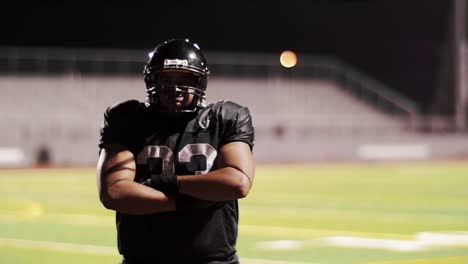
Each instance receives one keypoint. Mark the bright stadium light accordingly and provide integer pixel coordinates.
(288, 59)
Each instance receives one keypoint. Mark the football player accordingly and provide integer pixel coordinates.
(174, 167)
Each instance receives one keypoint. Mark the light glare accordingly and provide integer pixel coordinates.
(288, 59)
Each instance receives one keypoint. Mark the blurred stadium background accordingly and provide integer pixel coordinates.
(361, 154)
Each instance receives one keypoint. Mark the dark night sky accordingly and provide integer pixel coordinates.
(398, 42)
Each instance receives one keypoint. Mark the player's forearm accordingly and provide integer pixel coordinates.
(221, 185)
(134, 198)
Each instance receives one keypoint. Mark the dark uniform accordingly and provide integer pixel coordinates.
(187, 144)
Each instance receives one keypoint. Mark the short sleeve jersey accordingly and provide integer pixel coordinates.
(186, 144)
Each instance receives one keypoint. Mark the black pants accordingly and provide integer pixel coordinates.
(233, 260)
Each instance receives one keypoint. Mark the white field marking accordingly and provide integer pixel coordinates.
(268, 261)
(280, 245)
(388, 244)
(433, 260)
(341, 241)
(103, 250)
(443, 239)
(109, 221)
(422, 241)
(306, 233)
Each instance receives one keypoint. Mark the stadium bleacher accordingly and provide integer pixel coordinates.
(305, 119)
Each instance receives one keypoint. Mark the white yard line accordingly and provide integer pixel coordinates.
(267, 261)
(103, 250)
(281, 245)
(375, 243)
(422, 241)
(444, 239)
(306, 233)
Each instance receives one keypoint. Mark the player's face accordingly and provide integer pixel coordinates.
(172, 97)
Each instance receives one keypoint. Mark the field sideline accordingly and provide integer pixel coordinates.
(398, 213)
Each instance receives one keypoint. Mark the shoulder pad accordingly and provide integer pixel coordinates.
(226, 109)
(235, 123)
(124, 108)
(220, 111)
(120, 121)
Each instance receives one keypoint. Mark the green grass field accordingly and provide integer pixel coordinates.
(338, 213)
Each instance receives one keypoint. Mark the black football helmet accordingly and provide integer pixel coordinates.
(180, 55)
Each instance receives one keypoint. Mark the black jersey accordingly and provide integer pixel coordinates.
(186, 144)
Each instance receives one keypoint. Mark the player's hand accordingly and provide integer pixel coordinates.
(163, 183)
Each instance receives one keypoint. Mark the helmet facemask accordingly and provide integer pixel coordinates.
(171, 90)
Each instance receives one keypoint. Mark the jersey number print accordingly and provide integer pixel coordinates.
(165, 158)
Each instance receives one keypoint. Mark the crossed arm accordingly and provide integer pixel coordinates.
(118, 191)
